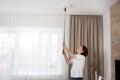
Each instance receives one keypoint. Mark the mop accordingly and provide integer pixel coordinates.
(65, 7)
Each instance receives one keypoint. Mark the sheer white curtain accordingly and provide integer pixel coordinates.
(32, 54)
(7, 46)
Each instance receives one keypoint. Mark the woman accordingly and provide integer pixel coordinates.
(77, 61)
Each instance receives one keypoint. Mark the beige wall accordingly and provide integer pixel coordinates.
(115, 35)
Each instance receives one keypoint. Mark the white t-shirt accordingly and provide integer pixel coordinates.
(77, 66)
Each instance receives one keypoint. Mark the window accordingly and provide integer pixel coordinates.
(31, 47)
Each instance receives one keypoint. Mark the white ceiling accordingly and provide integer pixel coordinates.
(84, 7)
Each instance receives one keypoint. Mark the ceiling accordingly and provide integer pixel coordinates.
(84, 7)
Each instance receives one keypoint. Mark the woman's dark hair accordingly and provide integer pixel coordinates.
(85, 51)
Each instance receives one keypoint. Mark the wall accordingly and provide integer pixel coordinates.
(31, 20)
(115, 35)
(107, 45)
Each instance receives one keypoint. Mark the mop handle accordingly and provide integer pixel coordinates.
(64, 28)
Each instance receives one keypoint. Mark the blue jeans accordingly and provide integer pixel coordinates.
(79, 78)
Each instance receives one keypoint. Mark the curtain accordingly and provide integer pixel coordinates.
(31, 54)
(88, 31)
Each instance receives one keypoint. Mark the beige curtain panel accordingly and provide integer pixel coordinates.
(88, 31)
